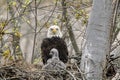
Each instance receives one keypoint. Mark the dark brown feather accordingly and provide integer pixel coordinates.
(54, 42)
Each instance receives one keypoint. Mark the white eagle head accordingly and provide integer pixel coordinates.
(54, 31)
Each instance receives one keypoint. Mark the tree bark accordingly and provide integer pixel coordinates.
(97, 45)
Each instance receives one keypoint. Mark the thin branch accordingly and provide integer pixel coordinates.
(48, 18)
(114, 58)
(82, 73)
(35, 34)
(114, 20)
(115, 46)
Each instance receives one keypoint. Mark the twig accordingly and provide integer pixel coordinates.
(35, 35)
(112, 59)
(117, 76)
(48, 18)
(82, 73)
(71, 74)
(114, 19)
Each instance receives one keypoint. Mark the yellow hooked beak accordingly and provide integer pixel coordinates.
(54, 31)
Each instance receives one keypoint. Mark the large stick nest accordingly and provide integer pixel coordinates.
(23, 71)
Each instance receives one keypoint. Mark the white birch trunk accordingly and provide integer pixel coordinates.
(97, 40)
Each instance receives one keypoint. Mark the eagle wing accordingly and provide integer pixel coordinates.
(54, 42)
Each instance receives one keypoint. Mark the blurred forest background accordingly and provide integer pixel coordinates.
(24, 24)
(22, 27)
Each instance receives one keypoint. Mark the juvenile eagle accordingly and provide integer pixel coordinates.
(54, 40)
(54, 63)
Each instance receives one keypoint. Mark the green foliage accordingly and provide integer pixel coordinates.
(2, 31)
(37, 60)
(55, 22)
(26, 3)
(13, 3)
(78, 9)
(7, 55)
(17, 33)
(82, 15)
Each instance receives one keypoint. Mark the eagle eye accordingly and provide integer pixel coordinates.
(51, 29)
(52, 51)
(56, 28)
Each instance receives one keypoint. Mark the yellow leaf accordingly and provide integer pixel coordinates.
(24, 6)
(6, 46)
(77, 16)
(11, 58)
(18, 34)
(6, 31)
(17, 47)
(2, 25)
(28, 21)
(14, 3)
(27, 2)
(36, 61)
(6, 53)
(55, 22)
(47, 25)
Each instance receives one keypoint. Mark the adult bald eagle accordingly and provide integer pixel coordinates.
(54, 40)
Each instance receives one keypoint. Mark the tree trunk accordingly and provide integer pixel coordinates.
(97, 45)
